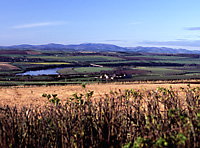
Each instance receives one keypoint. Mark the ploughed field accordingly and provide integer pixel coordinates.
(7, 66)
(24, 96)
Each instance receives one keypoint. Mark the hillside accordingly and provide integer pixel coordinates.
(99, 48)
(162, 50)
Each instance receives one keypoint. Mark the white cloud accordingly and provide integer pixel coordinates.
(33, 25)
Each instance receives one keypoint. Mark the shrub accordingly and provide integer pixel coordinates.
(133, 118)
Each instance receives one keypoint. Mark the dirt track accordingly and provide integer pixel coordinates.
(21, 96)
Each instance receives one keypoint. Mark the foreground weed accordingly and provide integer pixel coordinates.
(132, 118)
(55, 100)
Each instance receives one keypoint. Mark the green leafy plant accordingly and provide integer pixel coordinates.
(55, 100)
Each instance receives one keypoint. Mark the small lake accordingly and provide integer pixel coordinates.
(50, 71)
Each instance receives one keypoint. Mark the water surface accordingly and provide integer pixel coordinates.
(49, 71)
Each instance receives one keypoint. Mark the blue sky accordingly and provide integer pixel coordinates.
(127, 23)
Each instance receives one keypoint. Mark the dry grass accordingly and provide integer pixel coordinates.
(131, 115)
(21, 96)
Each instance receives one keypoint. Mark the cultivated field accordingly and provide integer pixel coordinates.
(24, 96)
(6, 66)
(80, 67)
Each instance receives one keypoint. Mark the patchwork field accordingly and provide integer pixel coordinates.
(90, 67)
(21, 96)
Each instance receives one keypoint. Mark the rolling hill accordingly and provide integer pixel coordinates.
(99, 48)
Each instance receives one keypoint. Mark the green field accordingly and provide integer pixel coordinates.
(123, 62)
(83, 70)
(78, 58)
(182, 61)
(161, 70)
(126, 66)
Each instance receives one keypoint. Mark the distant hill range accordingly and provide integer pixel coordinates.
(99, 48)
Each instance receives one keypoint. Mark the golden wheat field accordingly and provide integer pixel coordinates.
(24, 96)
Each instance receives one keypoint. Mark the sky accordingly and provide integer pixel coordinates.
(126, 23)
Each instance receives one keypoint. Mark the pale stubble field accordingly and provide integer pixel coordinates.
(24, 96)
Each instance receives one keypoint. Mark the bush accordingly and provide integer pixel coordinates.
(134, 118)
